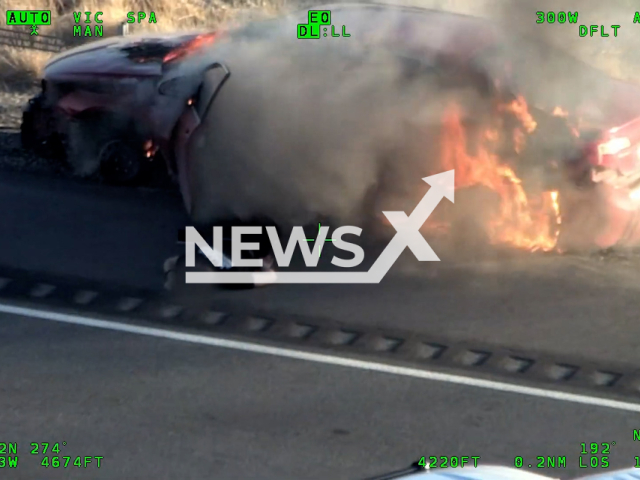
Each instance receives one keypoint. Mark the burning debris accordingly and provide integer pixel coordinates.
(197, 43)
(522, 219)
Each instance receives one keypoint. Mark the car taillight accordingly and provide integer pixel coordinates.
(614, 146)
(610, 153)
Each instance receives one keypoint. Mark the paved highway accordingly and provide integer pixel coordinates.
(580, 307)
(167, 409)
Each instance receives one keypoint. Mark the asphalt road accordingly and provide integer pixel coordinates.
(575, 306)
(164, 409)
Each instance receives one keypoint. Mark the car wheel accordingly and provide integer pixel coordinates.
(175, 281)
(174, 275)
(27, 127)
(120, 163)
(29, 135)
(95, 149)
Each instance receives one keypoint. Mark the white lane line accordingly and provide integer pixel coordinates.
(318, 358)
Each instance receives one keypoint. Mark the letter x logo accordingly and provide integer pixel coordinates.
(408, 227)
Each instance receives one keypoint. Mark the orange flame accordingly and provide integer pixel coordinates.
(150, 149)
(560, 112)
(190, 47)
(519, 108)
(523, 222)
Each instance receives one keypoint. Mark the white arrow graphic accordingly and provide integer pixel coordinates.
(408, 235)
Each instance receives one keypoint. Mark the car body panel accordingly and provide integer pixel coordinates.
(187, 125)
(119, 78)
(123, 56)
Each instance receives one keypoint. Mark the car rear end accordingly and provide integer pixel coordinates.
(613, 161)
(600, 194)
(116, 78)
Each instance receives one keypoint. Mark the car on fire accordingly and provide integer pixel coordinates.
(121, 107)
(102, 108)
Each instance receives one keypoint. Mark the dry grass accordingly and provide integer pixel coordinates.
(618, 57)
(20, 66)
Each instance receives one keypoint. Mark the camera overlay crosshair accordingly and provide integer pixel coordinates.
(313, 239)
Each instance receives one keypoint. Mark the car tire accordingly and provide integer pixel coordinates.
(95, 149)
(27, 127)
(120, 162)
(28, 130)
(174, 276)
(175, 281)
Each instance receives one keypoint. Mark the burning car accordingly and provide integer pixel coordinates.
(555, 144)
(102, 107)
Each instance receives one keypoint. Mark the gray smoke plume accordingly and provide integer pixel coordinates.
(308, 128)
(317, 128)
(616, 56)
